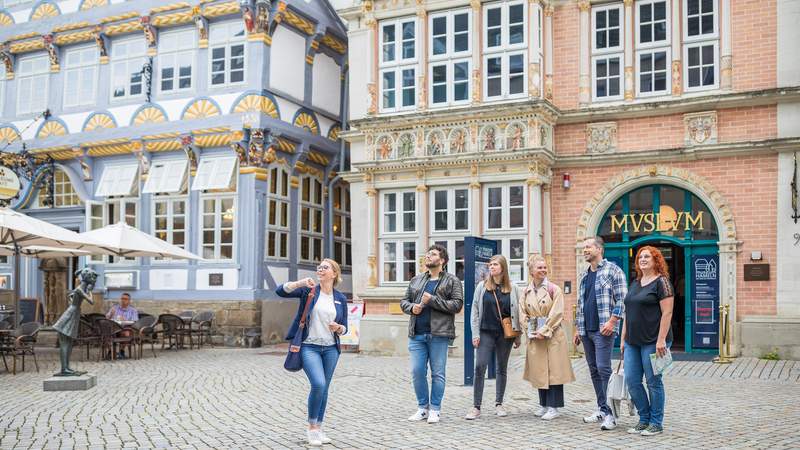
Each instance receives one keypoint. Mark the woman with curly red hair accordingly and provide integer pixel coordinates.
(648, 314)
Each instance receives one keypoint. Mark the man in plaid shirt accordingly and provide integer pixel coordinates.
(600, 306)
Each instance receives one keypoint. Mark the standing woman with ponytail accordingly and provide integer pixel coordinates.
(325, 322)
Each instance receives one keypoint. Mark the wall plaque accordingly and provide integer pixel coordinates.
(756, 272)
(215, 279)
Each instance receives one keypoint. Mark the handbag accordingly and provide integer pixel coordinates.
(508, 329)
(294, 361)
(617, 390)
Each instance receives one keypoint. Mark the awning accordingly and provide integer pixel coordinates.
(214, 173)
(166, 177)
(117, 180)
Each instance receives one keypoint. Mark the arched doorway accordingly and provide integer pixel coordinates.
(682, 227)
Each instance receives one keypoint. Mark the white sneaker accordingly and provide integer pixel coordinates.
(313, 438)
(541, 411)
(433, 416)
(473, 414)
(596, 416)
(421, 414)
(551, 414)
(609, 422)
(500, 411)
(323, 437)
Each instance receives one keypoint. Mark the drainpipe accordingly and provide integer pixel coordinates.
(329, 212)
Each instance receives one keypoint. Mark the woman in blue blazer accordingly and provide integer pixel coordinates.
(325, 322)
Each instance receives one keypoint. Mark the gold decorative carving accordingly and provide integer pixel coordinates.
(201, 109)
(533, 80)
(170, 7)
(256, 103)
(118, 17)
(307, 122)
(677, 86)
(372, 262)
(43, 11)
(629, 83)
(334, 43)
(51, 128)
(150, 114)
(548, 87)
(372, 89)
(476, 85)
(221, 9)
(6, 20)
(584, 5)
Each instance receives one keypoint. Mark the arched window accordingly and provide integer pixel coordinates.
(64, 194)
(278, 214)
(341, 225)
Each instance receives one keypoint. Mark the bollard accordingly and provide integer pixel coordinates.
(724, 336)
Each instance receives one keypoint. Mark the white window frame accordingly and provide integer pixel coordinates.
(667, 71)
(170, 231)
(345, 236)
(652, 44)
(82, 98)
(399, 213)
(505, 75)
(686, 47)
(39, 79)
(167, 176)
(216, 170)
(279, 177)
(700, 37)
(450, 210)
(121, 216)
(621, 76)
(127, 60)
(185, 44)
(229, 42)
(67, 198)
(315, 205)
(217, 228)
(450, 58)
(504, 247)
(115, 178)
(399, 261)
(505, 207)
(398, 42)
(505, 27)
(617, 49)
(398, 88)
(450, 242)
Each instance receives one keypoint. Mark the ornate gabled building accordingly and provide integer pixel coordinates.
(213, 125)
(539, 123)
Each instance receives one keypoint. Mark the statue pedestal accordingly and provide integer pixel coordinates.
(81, 383)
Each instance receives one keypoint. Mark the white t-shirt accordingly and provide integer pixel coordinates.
(323, 313)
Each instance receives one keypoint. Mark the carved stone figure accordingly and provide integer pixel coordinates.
(405, 146)
(516, 138)
(489, 139)
(144, 162)
(100, 41)
(8, 60)
(201, 23)
(434, 144)
(249, 21)
(385, 147)
(458, 142)
(262, 20)
(52, 51)
(186, 143)
(149, 32)
(68, 324)
(238, 148)
(256, 148)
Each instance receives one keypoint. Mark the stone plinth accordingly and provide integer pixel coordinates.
(81, 383)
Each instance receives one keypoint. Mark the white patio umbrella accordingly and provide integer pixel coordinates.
(123, 240)
(18, 230)
(43, 252)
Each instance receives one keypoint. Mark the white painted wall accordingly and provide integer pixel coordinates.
(75, 121)
(359, 208)
(326, 81)
(359, 60)
(230, 279)
(788, 37)
(169, 279)
(287, 62)
(287, 109)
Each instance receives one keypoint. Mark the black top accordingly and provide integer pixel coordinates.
(643, 311)
(422, 325)
(591, 318)
(489, 320)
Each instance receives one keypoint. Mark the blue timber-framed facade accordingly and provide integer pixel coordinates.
(223, 86)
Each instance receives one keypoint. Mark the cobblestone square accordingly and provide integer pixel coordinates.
(234, 398)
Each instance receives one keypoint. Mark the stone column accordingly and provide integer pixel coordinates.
(372, 85)
(584, 90)
(422, 67)
(534, 216)
(477, 51)
(728, 251)
(547, 227)
(423, 212)
(548, 52)
(534, 64)
(475, 202)
(726, 59)
(677, 54)
(629, 24)
(372, 238)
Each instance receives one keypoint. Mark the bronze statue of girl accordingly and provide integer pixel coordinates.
(69, 322)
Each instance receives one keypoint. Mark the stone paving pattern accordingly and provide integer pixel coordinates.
(235, 398)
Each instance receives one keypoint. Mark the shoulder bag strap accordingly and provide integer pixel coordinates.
(305, 310)
(497, 302)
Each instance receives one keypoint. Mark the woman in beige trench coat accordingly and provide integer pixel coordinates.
(547, 366)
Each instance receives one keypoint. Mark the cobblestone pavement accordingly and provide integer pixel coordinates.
(229, 398)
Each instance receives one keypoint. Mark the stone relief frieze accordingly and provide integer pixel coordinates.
(700, 128)
(601, 137)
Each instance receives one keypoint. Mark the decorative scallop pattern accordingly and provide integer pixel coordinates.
(6, 19)
(51, 128)
(99, 121)
(306, 121)
(44, 10)
(201, 109)
(149, 114)
(256, 102)
(89, 4)
(333, 133)
(8, 135)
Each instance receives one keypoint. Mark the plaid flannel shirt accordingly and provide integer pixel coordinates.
(610, 289)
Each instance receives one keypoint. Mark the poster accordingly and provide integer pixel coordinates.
(354, 313)
(477, 252)
(705, 301)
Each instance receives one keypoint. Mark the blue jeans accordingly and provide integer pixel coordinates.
(637, 363)
(597, 349)
(426, 349)
(319, 362)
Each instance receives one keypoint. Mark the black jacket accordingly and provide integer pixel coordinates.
(447, 302)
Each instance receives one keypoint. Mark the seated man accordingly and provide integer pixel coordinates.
(123, 312)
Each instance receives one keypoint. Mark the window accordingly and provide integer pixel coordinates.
(450, 210)
(118, 180)
(169, 220)
(342, 249)
(513, 248)
(450, 56)
(166, 177)
(217, 231)
(278, 214)
(33, 82)
(701, 45)
(80, 76)
(100, 214)
(311, 219)
(215, 173)
(505, 207)
(653, 24)
(455, 250)
(226, 47)
(505, 49)
(399, 212)
(64, 194)
(653, 70)
(399, 259)
(175, 60)
(127, 61)
(652, 47)
(607, 56)
(398, 81)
